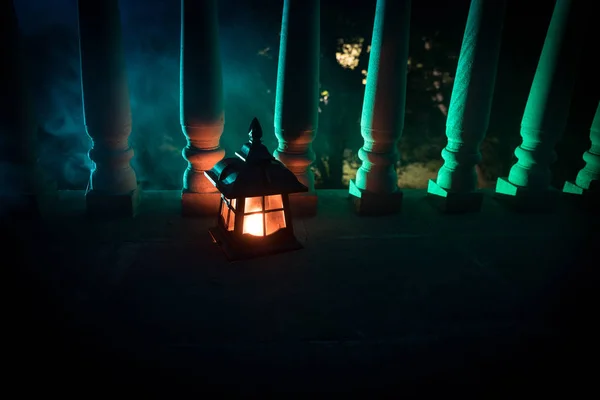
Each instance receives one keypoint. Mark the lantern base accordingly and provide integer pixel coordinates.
(253, 246)
(102, 204)
(369, 203)
(200, 204)
(453, 202)
(522, 199)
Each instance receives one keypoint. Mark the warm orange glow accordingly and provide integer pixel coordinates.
(253, 224)
(227, 215)
(273, 202)
(231, 223)
(253, 204)
(224, 211)
(275, 221)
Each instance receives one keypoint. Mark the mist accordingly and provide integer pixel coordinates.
(151, 30)
(249, 41)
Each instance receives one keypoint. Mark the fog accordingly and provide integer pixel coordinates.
(249, 41)
(151, 40)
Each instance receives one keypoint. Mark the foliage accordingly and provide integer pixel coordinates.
(431, 68)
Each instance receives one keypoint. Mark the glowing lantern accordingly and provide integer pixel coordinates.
(254, 216)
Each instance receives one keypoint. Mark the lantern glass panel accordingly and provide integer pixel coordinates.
(275, 221)
(231, 222)
(224, 211)
(274, 202)
(253, 224)
(253, 204)
(227, 214)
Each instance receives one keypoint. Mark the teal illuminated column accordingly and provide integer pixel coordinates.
(112, 188)
(455, 189)
(297, 97)
(527, 186)
(22, 188)
(587, 182)
(375, 190)
(202, 114)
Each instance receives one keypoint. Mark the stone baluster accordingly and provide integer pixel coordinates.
(297, 97)
(455, 189)
(23, 187)
(375, 190)
(587, 182)
(202, 114)
(112, 188)
(527, 187)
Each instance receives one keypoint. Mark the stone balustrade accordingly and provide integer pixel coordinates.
(455, 189)
(201, 104)
(24, 188)
(375, 190)
(113, 188)
(527, 187)
(297, 96)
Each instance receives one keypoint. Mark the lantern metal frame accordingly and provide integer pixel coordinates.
(254, 173)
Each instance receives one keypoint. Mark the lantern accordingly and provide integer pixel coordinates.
(254, 216)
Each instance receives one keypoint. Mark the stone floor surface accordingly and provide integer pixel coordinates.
(414, 301)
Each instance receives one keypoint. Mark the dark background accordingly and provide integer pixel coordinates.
(151, 36)
(249, 41)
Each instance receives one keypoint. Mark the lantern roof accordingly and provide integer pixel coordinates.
(254, 172)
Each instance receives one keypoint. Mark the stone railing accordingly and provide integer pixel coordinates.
(113, 187)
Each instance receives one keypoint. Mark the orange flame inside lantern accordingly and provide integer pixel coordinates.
(261, 210)
(253, 224)
(263, 216)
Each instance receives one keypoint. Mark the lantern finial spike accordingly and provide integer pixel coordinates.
(255, 131)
